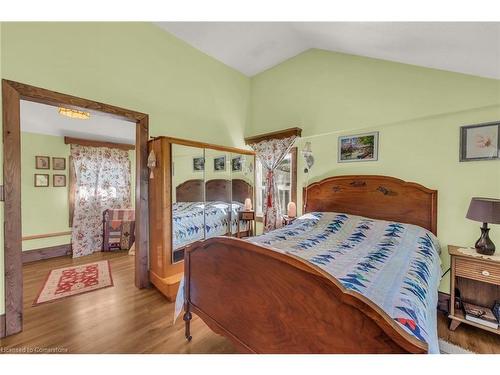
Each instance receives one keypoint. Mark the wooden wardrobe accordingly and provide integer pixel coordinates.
(187, 174)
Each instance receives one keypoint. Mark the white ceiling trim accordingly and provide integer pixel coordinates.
(252, 47)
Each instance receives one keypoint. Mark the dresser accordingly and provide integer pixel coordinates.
(192, 187)
(477, 277)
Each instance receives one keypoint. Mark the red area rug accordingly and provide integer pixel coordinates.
(74, 280)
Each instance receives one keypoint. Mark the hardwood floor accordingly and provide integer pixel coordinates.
(471, 338)
(119, 319)
(124, 319)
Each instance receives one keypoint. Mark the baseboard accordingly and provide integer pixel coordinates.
(443, 302)
(46, 253)
(2, 326)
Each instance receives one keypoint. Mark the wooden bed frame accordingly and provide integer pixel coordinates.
(269, 302)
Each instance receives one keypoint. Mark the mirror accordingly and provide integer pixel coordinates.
(218, 193)
(242, 188)
(188, 198)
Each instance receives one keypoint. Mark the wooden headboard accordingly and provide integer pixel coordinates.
(215, 190)
(190, 191)
(377, 197)
(218, 190)
(242, 190)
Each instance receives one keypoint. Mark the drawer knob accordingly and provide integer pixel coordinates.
(485, 273)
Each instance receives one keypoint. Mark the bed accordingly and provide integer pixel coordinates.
(317, 285)
(193, 221)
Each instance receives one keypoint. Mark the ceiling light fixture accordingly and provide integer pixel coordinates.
(74, 113)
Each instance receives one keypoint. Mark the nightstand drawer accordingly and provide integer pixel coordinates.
(247, 215)
(479, 271)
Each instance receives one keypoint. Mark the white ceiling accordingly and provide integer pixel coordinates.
(252, 47)
(45, 119)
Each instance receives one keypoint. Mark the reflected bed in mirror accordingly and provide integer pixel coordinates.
(190, 211)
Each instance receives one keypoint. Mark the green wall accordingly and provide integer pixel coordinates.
(38, 203)
(188, 94)
(132, 65)
(417, 112)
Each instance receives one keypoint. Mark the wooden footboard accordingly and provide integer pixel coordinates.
(269, 302)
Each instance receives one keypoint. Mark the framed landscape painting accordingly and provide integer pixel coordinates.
(236, 164)
(199, 164)
(480, 142)
(359, 147)
(220, 164)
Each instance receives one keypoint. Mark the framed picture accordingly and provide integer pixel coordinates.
(58, 164)
(59, 180)
(220, 163)
(236, 164)
(199, 164)
(480, 142)
(41, 180)
(359, 147)
(42, 162)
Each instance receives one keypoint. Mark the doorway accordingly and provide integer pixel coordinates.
(12, 94)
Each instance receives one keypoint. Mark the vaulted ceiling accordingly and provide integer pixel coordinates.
(252, 47)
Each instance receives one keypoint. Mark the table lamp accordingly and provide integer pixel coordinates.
(484, 210)
(248, 204)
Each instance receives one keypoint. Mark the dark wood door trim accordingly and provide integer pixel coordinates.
(12, 209)
(12, 93)
(2, 326)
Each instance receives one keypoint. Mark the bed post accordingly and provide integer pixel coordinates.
(187, 314)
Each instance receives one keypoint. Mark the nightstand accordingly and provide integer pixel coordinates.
(249, 218)
(478, 279)
(288, 220)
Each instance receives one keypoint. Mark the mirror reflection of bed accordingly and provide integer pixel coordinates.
(223, 200)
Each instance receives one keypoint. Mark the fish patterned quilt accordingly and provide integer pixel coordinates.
(193, 221)
(395, 265)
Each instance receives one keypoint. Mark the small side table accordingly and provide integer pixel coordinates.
(478, 279)
(248, 217)
(287, 220)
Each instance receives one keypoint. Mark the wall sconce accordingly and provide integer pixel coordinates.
(308, 156)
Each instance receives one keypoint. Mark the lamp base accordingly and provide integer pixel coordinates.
(484, 245)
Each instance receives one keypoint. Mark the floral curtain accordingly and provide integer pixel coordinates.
(102, 182)
(270, 153)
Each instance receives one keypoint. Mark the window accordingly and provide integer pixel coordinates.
(286, 179)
